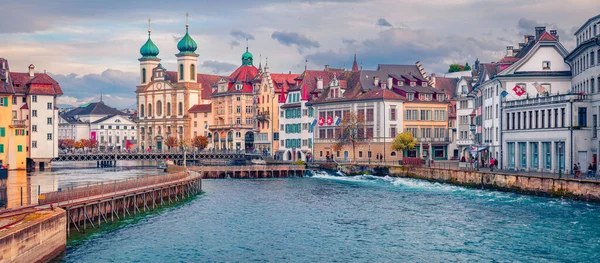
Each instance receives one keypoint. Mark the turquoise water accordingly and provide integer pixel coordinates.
(350, 219)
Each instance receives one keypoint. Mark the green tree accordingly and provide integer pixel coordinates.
(455, 68)
(404, 141)
(467, 67)
(351, 131)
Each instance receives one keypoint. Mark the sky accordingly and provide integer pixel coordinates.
(92, 47)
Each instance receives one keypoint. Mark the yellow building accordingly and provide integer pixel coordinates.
(267, 97)
(13, 139)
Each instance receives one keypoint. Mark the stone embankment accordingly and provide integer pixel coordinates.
(580, 189)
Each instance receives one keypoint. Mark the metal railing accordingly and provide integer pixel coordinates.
(19, 124)
(546, 100)
(111, 188)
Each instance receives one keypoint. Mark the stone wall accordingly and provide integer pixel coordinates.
(40, 237)
(588, 190)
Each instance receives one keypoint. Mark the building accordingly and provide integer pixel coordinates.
(465, 114)
(585, 68)
(233, 108)
(34, 110)
(267, 95)
(164, 97)
(201, 120)
(111, 128)
(13, 139)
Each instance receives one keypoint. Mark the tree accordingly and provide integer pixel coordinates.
(66, 143)
(404, 141)
(467, 67)
(183, 143)
(351, 131)
(200, 142)
(455, 68)
(78, 145)
(171, 142)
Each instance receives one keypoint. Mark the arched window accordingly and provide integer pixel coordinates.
(159, 108)
(142, 110)
(193, 72)
(180, 71)
(149, 109)
(168, 109)
(393, 154)
(143, 75)
(180, 108)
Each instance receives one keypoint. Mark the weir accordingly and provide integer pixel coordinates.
(249, 171)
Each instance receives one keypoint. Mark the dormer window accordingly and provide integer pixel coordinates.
(383, 85)
(424, 84)
(238, 86)
(410, 96)
(441, 97)
(412, 84)
(400, 83)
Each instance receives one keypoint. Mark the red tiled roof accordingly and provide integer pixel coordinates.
(447, 85)
(206, 80)
(41, 84)
(243, 73)
(547, 37)
(508, 60)
(286, 81)
(200, 108)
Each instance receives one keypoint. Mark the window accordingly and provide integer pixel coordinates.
(464, 104)
(369, 114)
(193, 72)
(14, 99)
(33, 128)
(547, 151)
(142, 110)
(49, 105)
(143, 75)
(180, 71)
(149, 110)
(534, 161)
(546, 65)
(33, 98)
(393, 132)
(49, 136)
(180, 110)
(49, 120)
(592, 58)
(511, 155)
(33, 113)
(411, 96)
(582, 117)
(393, 113)
(33, 144)
(523, 154)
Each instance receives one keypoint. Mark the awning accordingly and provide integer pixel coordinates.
(477, 149)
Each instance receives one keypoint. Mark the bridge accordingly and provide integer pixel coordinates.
(141, 156)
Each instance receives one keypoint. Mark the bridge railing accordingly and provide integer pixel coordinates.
(101, 189)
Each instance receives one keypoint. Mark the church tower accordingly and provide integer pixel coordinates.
(149, 59)
(187, 59)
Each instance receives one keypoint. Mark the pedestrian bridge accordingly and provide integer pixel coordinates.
(82, 157)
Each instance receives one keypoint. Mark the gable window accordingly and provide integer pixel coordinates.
(546, 65)
(149, 110)
(411, 96)
(180, 71)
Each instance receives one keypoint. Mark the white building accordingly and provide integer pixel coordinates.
(465, 107)
(114, 132)
(585, 67)
(35, 103)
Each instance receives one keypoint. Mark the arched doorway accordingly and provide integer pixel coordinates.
(216, 140)
(249, 141)
(289, 156)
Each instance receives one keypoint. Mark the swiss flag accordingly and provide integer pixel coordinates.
(519, 91)
(321, 121)
(329, 120)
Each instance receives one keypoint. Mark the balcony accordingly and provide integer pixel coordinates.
(261, 116)
(464, 142)
(546, 100)
(18, 124)
(230, 126)
(427, 139)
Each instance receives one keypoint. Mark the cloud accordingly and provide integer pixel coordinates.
(117, 87)
(407, 46)
(218, 66)
(239, 34)
(292, 38)
(349, 41)
(383, 23)
(234, 43)
(176, 39)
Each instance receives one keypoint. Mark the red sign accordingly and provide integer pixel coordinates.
(519, 91)
(93, 135)
(329, 120)
(321, 121)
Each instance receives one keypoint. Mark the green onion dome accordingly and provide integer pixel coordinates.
(187, 45)
(247, 58)
(149, 49)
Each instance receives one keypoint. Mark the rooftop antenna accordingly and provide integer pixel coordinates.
(246, 44)
(305, 64)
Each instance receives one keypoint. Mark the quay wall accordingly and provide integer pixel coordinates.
(579, 189)
(40, 237)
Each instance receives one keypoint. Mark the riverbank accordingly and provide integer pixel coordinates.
(578, 189)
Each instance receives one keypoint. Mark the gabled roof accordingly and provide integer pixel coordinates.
(446, 85)
(201, 108)
(547, 37)
(286, 81)
(25, 107)
(40, 84)
(71, 119)
(95, 108)
(104, 118)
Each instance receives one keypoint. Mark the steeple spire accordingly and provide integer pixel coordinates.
(187, 22)
(355, 64)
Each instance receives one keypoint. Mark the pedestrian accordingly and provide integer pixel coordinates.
(575, 170)
(589, 171)
(492, 164)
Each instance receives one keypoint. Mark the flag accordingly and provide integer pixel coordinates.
(504, 93)
(329, 120)
(337, 120)
(314, 123)
(321, 121)
(519, 91)
(540, 89)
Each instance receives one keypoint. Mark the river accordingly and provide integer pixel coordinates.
(328, 218)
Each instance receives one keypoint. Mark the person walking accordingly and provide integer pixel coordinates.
(492, 164)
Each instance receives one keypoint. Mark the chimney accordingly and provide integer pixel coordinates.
(539, 31)
(554, 33)
(376, 81)
(390, 82)
(320, 83)
(326, 67)
(31, 68)
(530, 38)
(509, 51)
(433, 80)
